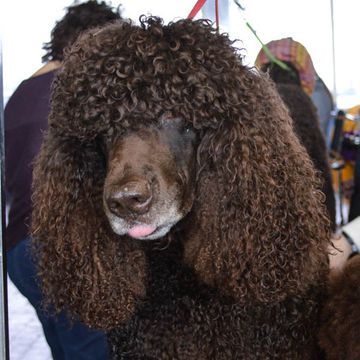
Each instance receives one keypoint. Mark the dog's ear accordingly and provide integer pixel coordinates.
(82, 266)
(258, 229)
(340, 315)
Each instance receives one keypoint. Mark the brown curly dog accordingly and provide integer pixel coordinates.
(340, 318)
(173, 205)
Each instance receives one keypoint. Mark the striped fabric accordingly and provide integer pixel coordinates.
(295, 53)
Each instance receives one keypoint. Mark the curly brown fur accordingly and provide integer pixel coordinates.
(307, 128)
(340, 321)
(288, 76)
(241, 276)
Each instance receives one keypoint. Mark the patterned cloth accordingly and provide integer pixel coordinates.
(295, 53)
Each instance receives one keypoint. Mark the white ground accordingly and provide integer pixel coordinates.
(27, 341)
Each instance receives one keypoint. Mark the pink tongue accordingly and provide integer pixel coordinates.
(138, 231)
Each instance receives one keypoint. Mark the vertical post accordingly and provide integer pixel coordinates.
(342, 222)
(333, 52)
(4, 345)
(208, 12)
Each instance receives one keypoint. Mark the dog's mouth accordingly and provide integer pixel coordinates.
(148, 232)
(146, 226)
(141, 231)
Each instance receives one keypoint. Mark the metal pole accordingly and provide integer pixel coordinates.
(4, 335)
(208, 12)
(333, 52)
(342, 222)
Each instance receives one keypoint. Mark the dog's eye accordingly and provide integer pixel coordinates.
(183, 127)
(190, 133)
(187, 129)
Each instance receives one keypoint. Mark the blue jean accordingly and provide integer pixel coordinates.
(67, 341)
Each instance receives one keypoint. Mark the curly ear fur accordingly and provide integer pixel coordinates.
(307, 128)
(82, 265)
(259, 228)
(340, 317)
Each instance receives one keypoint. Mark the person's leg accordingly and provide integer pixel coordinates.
(21, 271)
(67, 342)
(80, 342)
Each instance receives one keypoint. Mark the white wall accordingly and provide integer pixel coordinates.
(26, 25)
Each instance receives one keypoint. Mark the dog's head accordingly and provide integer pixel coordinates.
(149, 185)
(157, 123)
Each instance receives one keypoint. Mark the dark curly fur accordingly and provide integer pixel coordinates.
(339, 334)
(306, 126)
(242, 275)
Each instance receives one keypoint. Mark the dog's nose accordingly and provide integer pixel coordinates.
(131, 198)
